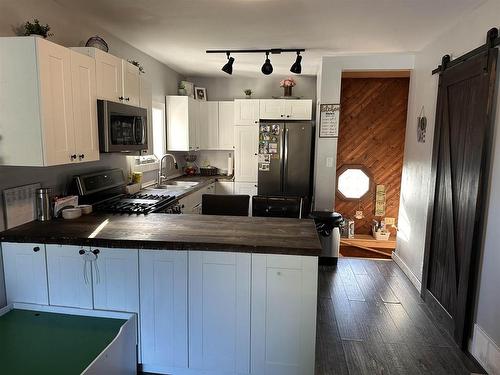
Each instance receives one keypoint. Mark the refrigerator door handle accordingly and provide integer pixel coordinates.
(285, 160)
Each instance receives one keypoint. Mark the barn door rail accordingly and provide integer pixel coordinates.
(492, 41)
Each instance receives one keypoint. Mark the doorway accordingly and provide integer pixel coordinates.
(370, 160)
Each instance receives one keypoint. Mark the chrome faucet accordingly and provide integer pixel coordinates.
(162, 176)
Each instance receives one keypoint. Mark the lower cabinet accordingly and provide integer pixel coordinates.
(224, 188)
(164, 302)
(284, 303)
(219, 312)
(25, 273)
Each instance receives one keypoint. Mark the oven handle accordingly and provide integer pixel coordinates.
(143, 128)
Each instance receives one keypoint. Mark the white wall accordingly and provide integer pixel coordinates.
(71, 30)
(329, 87)
(467, 34)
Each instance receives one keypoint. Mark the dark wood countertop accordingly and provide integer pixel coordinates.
(176, 232)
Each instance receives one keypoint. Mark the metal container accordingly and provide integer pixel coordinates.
(43, 205)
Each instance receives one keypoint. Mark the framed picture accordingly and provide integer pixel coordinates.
(201, 93)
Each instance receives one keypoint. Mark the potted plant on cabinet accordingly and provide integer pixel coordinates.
(287, 85)
(248, 93)
(34, 28)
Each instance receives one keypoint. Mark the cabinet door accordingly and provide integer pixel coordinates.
(178, 134)
(284, 297)
(164, 301)
(226, 125)
(84, 107)
(272, 109)
(245, 155)
(193, 124)
(224, 188)
(69, 277)
(246, 112)
(131, 84)
(146, 101)
(54, 65)
(115, 280)
(109, 76)
(298, 109)
(25, 273)
(209, 125)
(219, 311)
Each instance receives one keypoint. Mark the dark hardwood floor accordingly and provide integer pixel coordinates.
(371, 320)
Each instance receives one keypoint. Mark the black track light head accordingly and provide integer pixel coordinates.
(267, 68)
(228, 68)
(296, 67)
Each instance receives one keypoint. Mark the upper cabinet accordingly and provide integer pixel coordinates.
(47, 101)
(208, 126)
(117, 79)
(285, 109)
(246, 111)
(226, 125)
(182, 123)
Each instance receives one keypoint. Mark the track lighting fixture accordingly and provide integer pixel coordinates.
(296, 67)
(228, 68)
(267, 68)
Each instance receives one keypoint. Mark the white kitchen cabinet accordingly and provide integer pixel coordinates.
(25, 273)
(182, 123)
(219, 312)
(246, 112)
(164, 310)
(115, 280)
(246, 188)
(192, 203)
(131, 84)
(224, 188)
(283, 314)
(285, 109)
(246, 139)
(69, 276)
(146, 101)
(47, 96)
(226, 125)
(208, 127)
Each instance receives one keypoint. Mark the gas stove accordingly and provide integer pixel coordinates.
(105, 191)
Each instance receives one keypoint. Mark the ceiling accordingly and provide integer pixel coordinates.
(177, 32)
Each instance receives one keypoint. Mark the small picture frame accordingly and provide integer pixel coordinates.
(201, 93)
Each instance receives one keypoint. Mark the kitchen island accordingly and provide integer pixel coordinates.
(214, 294)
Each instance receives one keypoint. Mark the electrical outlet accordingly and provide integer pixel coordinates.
(329, 162)
(390, 221)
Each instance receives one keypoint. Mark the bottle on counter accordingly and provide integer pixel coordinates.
(229, 165)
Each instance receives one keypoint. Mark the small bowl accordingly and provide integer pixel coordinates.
(71, 213)
(86, 208)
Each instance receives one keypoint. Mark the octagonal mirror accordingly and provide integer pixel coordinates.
(353, 182)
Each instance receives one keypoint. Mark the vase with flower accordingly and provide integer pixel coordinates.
(287, 84)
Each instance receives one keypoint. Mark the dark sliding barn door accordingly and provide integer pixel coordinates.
(460, 171)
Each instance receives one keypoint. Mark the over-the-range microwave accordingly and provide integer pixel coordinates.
(122, 127)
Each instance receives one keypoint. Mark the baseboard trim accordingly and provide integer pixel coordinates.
(407, 271)
(485, 351)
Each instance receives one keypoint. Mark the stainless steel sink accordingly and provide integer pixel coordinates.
(180, 184)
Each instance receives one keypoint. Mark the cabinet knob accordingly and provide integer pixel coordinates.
(36, 249)
(121, 98)
(81, 156)
(287, 116)
(73, 157)
(255, 154)
(96, 251)
(282, 115)
(127, 99)
(81, 252)
(256, 122)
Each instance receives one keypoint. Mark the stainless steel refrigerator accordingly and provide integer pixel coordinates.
(285, 152)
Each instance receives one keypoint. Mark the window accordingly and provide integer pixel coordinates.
(158, 137)
(353, 182)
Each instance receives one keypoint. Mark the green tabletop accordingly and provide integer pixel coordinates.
(33, 342)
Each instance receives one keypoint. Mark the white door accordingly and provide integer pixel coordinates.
(25, 273)
(219, 311)
(69, 276)
(164, 301)
(245, 154)
(246, 111)
(193, 124)
(226, 125)
(84, 107)
(115, 279)
(209, 125)
(131, 84)
(272, 109)
(54, 66)
(298, 109)
(283, 314)
(224, 188)
(109, 77)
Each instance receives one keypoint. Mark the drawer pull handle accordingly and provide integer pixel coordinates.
(81, 252)
(36, 249)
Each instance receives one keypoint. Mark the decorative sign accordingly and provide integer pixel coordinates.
(329, 120)
(380, 201)
(421, 126)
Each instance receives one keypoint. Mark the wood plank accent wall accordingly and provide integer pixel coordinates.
(372, 133)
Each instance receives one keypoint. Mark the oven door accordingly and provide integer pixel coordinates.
(122, 128)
